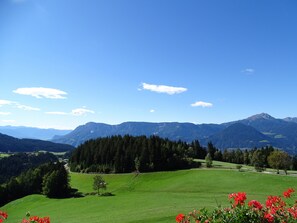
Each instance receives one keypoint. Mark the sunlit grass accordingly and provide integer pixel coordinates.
(150, 197)
(2, 155)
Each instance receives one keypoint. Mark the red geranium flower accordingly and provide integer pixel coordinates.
(239, 198)
(3, 214)
(269, 217)
(288, 192)
(179, 217)
(37, 219)
(255, 204)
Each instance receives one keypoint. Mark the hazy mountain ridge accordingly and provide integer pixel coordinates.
(171, 130)
(11, 144)
(288, 119)
(22, 132)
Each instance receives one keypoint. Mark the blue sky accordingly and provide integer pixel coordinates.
(67, 62)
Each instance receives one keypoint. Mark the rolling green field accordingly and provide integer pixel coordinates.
(2, 155)
(150, 197)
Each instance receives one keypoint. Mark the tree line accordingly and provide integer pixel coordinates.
(122, 154)
(50, 179)
(260, 158)
(14, 165)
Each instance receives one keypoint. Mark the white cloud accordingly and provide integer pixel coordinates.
(74, 112)
(5, 113)
(202, 104)
(248, 71)
(18, 105)
(163, 89)
(8, 121)
(152, 110)
(26, 108)
(81, 111)
(40, 92)
(5, 102)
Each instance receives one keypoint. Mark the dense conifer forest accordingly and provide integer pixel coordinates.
(14, 165)
(50, 179)
(122, 154)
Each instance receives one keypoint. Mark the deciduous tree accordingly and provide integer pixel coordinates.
(279, 160)
(99, 183)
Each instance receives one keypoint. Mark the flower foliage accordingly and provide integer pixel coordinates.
(36, 219)
(3, 216)
(275, 210)
(33, 219)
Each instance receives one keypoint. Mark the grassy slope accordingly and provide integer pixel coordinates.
(151, 197)
(2, 155)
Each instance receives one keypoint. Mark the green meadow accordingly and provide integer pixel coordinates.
(2, 155)
(151, 197)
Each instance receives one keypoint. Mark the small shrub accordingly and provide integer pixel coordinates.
(107, 194)
(239, 166)
(91, 193)
(208, 160)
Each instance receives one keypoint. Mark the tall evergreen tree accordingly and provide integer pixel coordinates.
(56, 183)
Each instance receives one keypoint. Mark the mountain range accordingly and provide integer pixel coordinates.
(255, 131)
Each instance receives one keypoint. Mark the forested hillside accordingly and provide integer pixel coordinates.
(120, 154)
(16, 164)
(50, 179)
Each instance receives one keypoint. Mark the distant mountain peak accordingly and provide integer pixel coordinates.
(290, 119)
(261, 116)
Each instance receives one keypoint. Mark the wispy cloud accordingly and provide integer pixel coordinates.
(152, 110)
(8, 121)
(17, 105)
(5, 113)
(5, 102)
(81, 111)
(27, 108)
(74, 112)
(41, 92)
(163, 89)
(201, 104)
(248, 71)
